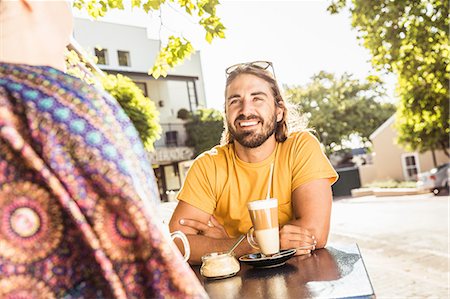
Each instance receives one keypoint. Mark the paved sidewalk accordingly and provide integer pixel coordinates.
(403, 241)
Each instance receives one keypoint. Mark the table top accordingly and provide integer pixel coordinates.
(337, 271)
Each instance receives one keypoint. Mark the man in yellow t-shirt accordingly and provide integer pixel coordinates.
(213, 200)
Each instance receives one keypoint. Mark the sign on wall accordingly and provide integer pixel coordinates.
(171, 154)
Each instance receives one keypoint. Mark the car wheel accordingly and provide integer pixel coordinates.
(441, 191)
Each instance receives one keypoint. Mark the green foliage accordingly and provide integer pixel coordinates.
(183, 114)
(141, 110)
(391, 184)
(339, 107)
(204, 130)
(176, 49)
(411, 39)
(173, 53)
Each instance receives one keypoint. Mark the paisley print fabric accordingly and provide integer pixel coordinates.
(78, 196)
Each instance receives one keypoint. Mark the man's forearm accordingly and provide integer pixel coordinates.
(311, 205)
(201, 245)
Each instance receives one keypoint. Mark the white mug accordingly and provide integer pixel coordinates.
(166, 210)
(184, 240)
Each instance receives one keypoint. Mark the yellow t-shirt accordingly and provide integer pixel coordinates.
(221, 184)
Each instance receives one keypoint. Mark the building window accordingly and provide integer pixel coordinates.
(102, 56)
(192, 95)
(171, 176)
(143, 87)
(124, 58)
(172, 138)
(410, 163)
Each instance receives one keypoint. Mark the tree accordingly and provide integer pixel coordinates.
(140, 109)
(176, 48)
(411, 39)
(338, 108)
(183, 114)
(204, 130)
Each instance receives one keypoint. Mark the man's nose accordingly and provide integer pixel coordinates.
(247, 107)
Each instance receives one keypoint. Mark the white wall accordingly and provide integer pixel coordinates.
(114, 37)
(177, 90)
(388, 155)
(193, 65)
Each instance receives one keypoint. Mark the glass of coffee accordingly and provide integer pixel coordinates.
(264, 215)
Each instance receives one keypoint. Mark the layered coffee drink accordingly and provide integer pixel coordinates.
(264, 216)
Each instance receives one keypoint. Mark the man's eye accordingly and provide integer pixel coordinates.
(234, 101)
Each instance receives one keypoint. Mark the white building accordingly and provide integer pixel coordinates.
(127, 50)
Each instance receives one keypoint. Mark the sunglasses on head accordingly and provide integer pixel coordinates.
(264, 65)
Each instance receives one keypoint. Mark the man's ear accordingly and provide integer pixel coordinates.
(280, 114)
(27, 5)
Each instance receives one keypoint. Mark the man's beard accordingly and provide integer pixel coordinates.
(252, 139)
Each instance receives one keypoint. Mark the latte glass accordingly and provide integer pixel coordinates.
(264, 235)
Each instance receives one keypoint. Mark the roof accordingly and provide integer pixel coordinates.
(168, 77)
(383, 126)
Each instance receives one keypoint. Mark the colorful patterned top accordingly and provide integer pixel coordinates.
(78, 196)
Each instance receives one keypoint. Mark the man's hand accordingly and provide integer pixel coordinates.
(213, 238)
(212, 229)
(292, 236)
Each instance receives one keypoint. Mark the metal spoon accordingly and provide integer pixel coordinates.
(236, 244)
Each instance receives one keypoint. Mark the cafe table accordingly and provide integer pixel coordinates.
(337, 271)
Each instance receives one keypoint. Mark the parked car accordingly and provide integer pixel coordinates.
(436, 180)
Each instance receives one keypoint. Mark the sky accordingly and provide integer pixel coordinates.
(300, 37)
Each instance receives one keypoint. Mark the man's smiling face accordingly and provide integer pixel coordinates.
(250, 110)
